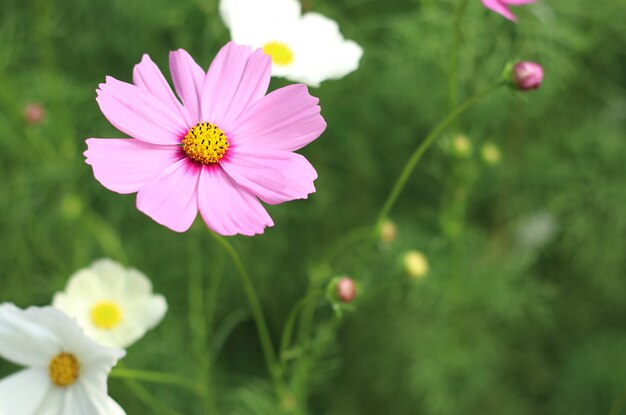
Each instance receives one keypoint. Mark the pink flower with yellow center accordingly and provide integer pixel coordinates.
(502, 6)
(226, 146)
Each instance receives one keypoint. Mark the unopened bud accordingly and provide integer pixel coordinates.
(345, 289)
(34, 113)
(491, 154)
(527, 75)
(462, 146)
(415, 264)
(388, 231)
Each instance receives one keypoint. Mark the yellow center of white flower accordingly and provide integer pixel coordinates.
(64, 369)
(205, 143)
(281, 53)
(106, 315)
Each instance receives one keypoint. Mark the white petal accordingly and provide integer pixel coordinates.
(80, 399)
(129, 289)
(24, 339)
(254, 22)
(115, 408)
(23, 393)
(320, 51)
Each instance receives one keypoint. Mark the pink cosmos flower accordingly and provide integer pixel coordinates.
(501, 6)
(223, 148)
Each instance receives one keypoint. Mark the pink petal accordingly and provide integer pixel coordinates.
(286, 119)
(126, 165)
(237, 78)
(171, 198)
(518, 2)
(227, 208)
(188, 78)
(137, 113)
(275, 176)
(500, 8)
(148, 76)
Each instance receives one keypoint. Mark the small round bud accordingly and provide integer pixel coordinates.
(34, 113)
(388, 231)
(415, 264)
(527, 75)
(71, 206)
(491, 154)
(462, 146)
(345, 289)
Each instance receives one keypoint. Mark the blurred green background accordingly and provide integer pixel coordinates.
(523, 310)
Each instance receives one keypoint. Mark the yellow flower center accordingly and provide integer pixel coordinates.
(64, 369)
(205, 143)
(106, 315)
(281, 53)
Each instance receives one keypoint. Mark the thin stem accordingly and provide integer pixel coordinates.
(199, 324)
(154, 377)
(291, 320)
(421, 149)
(453, 82)
(257, 312)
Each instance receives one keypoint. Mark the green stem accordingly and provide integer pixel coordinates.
(454, 56)
(199, 323)
(154, 377)
(421, 149)
(257, 312)
(291, 321)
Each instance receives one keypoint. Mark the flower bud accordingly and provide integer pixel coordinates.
(491, 154)
(415, 264)
(462, 146)
(388, 231)
(34, 113)
(527, 75)
(345, 289)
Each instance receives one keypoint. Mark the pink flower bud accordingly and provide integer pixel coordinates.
(527, 75)
(34, 113)
(346, 289)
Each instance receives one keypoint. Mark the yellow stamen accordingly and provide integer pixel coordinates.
(106, 315)
(281, 53)
(64, 369)
(205, 143)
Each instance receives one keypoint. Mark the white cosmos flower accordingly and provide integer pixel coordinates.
(304, 48)
(114, 305)
(66, 372)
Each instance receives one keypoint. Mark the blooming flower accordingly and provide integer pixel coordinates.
(66, 372)
(114, 305)
(527, 75)
(226, 145)
(502, 6)
(304, 48)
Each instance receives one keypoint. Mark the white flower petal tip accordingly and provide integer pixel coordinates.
(305, 48)
(114, 305)
(66, 372)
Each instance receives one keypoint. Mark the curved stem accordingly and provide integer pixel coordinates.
(454, 56)
(291, 320)
(154, 377)
(257, 312)
(421, 149)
